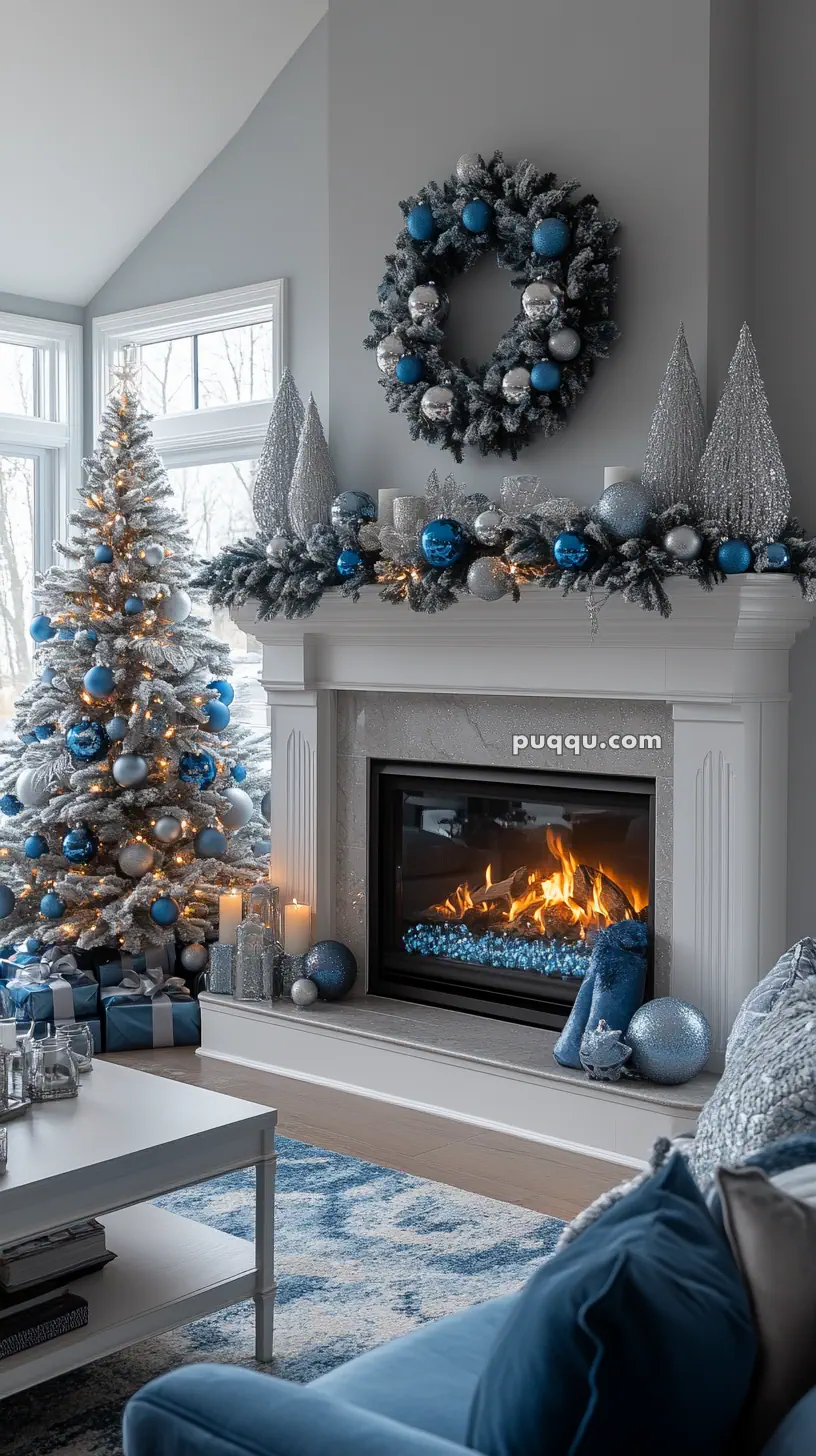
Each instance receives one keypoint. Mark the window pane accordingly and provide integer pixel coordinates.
(16, 578)
(235, 365)
(167, 376)
(17, 369)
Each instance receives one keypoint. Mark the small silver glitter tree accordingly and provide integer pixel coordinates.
(677, 432)
(270, 496)
(741, 481)
(314, 483)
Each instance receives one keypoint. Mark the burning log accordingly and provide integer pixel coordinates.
(511, 888)
(610, 896)
(560, 921)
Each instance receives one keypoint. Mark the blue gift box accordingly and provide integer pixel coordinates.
(130, 1022)
(46, 1028)
(10, 965)
(113, 972)
(35, 1000)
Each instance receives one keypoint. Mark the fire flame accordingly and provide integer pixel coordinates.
(588, 911)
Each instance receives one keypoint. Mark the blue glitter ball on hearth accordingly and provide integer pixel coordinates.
(238, 772)
(551, 237)
(35, 846)
(52, 906)
(778, 556)
(545, 376)
(164, 911)
(670, 1040)
(198, 768)
(79, 845)
(332, 967)
(420, 223)
(87, 741)
(103, 555)
(734, 557)
(409, 369)
(443, 542)
(477, 215)
(570, 550)
(348, 562)
(10, 805)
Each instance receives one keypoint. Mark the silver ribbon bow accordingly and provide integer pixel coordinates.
(49, 974)
(157, 987)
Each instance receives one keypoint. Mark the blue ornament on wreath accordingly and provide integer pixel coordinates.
(348, 562)
(87, 741)
(670, 1040)
(350, 507)
(198, 768)
(210, 844)
(103, 556)
(8, 900)
(99, 682)
(44, 732)
(778, 556)
(224, 689)
(134, 606)
(420, 223)
(52, 906)
(570, 550)
(10, 805)
(332, 967)
(238, 772)
(477, 215)
(409, 369)
(545, 376)
(79, 845)
(217, 715)
(734, 557)
(551, 237)
(443, 542)
(35, 846)
(164, 911)
(41, 629)
(624, 509)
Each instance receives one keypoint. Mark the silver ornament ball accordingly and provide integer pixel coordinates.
(683, 542)
(564, 344)
(136, 859)
(542, 299)
(176, 607)
(194, 957)
(389, 352)
(276, 550)
(624, 508)
(167, 830)
(488, 578)
(240, 809)
(426, 301)
(154, 555)
(670, 1040)
(437, 404)
(516, 385)
(304, 992)
(488, 527)
(470, 167)
(129, 770)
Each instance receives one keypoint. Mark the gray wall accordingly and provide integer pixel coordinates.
(64, 313)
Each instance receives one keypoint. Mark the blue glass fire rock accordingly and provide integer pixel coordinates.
(332, 967)
(164, 911)
(87, 741)
(443, 542)
(420, 223)
(8, 900)
(551, 237)
(477, 215)
(35, 846)
(224, 689)
(409, 369)
(44, 732)
(778, 556)
(734, 557)
(98, 681)
(541, 955)
(103, 555)
(210, 844)
(348, 562)
(41, 629)
(79, 845)
(52, 906)
(217, 715)
(10, 805)
(238, 772)
(198, 768)
(545, 376)
(570, 550)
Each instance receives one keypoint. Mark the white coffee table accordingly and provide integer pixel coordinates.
(128, 1137)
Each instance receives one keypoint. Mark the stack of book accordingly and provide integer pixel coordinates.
(35, 1302)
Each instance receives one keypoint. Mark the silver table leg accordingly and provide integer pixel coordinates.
(265, 1250)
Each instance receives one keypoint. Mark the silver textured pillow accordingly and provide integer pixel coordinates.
(795, 965)
(768, 1088)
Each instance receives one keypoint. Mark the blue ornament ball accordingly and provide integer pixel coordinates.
(624, 508)
(570, 550)
(47, 675)
(28, 738)
(266, 806)
(164, 911)
(91, 637)
(8, 900)
(52, 906)
(66, 634)
(551, 237)
(350, 507)
(87, 741)
(224, 689)
(420, 223)
(79, 845)
(477, 215)
(210, 843)
(198, 768)
(545, 376)
(35, 846)
(238, 772)
(116, 728)
(332, 967)
(670, 1040)
(778, 556)
(44, 732)
(41, 629)
(262, 847)
(103, 556)
(348, 562)
(409, 369)
(11, 805)
(217, 715)
(33, 946)
(443, 542)
(99, 682)
(133, 606)
(734, 557)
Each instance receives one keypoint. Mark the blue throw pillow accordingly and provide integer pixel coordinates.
(636, 1338)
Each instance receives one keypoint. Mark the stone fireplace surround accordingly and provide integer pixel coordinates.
(362, 680)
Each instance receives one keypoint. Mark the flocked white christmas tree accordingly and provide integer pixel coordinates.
(677, 432)
(314, 483)
(128, 799)
(273, 480)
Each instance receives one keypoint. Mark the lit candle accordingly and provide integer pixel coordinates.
(8, 1035)
(230, 914)
(297, 928)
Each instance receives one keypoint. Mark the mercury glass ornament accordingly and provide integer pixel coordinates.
(130, 770)
(136, 859)
(670, 1040)
(304, 992)
(488, 527)
(427, 301)
(167, 830)
(470, 167)
(389, 352)
(488, 578)
(154, 555)
(542, 299)
(624, 509)
(564, 344)
(437, 404)
(350, 507)
(80, 845)
(87, 741)
(683, 542)
(194, 957)
(276, 550)
(516, 385)
(571, 550)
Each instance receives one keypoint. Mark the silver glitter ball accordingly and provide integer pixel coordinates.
(516, 385)
(624, 508)
(683, 542)
(154, 555)
(389, 351)
(670, 1040)
(427, 301)
(136, 859)
(470, 167)
(276, 550)
(488, 578)
(542, 299)
(167, 829)
(194, 957)
(564, 344)
(304, 992)
(488, 527)
(437, 403)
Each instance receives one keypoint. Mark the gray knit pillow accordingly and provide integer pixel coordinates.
(795, 965)
(768, 1088)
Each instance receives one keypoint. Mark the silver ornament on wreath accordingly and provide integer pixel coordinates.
(516, 385)
(624, 509)
(488, 578)
(564, 345)
(670, 1040)
(389, 352)
(426, 301)
(542, 299)
(470, 168)
(683, 543)
(488, 527)
(437, 404)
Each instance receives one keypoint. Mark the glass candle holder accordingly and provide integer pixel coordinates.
(263, 901)
(79, 1039)
(53, 1072)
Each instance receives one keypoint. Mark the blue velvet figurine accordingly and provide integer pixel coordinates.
(612, 988)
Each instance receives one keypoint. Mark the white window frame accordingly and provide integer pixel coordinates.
(53, 441)
(197, 437)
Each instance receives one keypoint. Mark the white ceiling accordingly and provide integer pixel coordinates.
(109, 111)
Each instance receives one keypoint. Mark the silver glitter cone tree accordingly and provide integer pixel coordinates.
(270, 497)
(741, 481)
(314, 483)
(677, 433)
(128, 799)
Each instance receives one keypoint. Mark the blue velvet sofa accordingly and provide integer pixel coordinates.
(411, 1397)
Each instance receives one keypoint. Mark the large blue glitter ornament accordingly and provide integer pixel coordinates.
(778, 556)
(87, 741)
(217, 715)
(734, 557)
(332, 967)
(409, 369)
(35, 846)
(44, 732)
(238, 772)
(570, 550)
(164, 911)
(670, 1040)
(224, 689)
(420, 223)
(210, 843)
(443, 542)
(350, 507)
(551, 237)
(545, 376)
(11, 805)
(624, 508)
(103, 556)
(134, 606)
(477, 215)
(98, 681)
(52, 906)
(198, 768)
(348, 562)
(8, 900)
(79, 845)
(41, 629)
(116, 728)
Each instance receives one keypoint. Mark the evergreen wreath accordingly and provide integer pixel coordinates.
(543, 235)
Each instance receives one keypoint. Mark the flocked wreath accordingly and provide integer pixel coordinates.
(560, 250)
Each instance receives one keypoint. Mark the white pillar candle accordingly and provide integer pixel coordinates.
(297, 928)
(8, 1035)
(230, 915)
(385, 506)
(614, 473)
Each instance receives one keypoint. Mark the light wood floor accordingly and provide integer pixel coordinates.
(496, 1164)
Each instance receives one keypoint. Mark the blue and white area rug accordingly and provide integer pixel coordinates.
(362, 1254)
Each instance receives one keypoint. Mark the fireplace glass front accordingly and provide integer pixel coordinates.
(488, 888)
